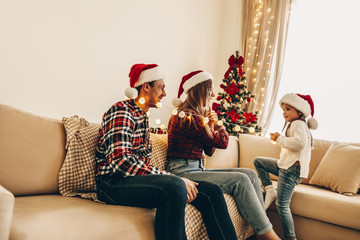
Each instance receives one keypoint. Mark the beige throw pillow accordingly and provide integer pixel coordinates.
(339, 170)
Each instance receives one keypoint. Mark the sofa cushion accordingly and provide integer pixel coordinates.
(325, 205)
(251, 146)
(77, 174)
(159, 150)
(339, 169)
(225, 158)
(32, 147)
(6, 212)
(57, 217)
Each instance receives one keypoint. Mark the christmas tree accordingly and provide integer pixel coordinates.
(233, 98)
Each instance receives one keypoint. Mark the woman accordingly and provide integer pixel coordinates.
(193, 131)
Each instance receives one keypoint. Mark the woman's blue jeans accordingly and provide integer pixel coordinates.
(168, 195)
(241, 183)
(288, 179)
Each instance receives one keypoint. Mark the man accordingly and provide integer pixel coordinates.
(124, 175)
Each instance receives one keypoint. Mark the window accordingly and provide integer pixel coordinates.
(322, 59)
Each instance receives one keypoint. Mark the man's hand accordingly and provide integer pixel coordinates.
(191, 189)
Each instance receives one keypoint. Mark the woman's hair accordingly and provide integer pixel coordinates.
(197, 102)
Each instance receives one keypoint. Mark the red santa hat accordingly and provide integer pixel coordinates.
(140, 74)
(190, 80)
(302, 103)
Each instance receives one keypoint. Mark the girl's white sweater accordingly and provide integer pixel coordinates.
(296, 147)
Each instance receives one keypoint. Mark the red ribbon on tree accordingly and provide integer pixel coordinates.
(233, 61)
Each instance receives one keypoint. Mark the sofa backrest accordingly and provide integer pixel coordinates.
(251, 146)
(32, 150)
(225, 158)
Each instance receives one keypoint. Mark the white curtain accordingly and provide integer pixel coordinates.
(264, 32)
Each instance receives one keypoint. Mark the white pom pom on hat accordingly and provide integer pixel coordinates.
(188, 81)
(141, 73)
(312, 123)
(304, 104)
(176, 102)
(131, 93)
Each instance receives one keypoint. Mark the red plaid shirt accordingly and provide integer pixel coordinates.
(124, 145)
(188, 141)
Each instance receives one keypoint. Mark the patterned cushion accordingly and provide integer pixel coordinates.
(77, 174)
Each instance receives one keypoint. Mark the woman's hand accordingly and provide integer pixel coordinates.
(191, 189)
(213, 118)
(274, 136)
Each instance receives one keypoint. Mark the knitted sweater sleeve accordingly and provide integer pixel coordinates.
(297, 138)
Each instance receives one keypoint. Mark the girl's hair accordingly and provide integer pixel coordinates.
(197, 102)
(302, 118)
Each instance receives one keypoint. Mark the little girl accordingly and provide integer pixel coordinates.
(294, 161)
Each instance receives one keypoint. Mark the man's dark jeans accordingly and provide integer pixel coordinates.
(168, 195)
(165, 193)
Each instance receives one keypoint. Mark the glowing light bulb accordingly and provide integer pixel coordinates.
(162, 126)
(251, 129)
(174, 112)
(182, 114)
(159, 105)
(273, 142)
(157, 121)
(220, 122)
(148, 113)
(206, 120)
(142, 100)
(237, 128)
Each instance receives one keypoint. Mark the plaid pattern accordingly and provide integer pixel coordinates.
(194, 225)
(77, 174)
(188, 139)
(124, 144)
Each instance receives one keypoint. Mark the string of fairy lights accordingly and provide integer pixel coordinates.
(183, 114)
(257, 43)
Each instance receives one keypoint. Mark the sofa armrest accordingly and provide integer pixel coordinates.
(7, 201)
(225, 158)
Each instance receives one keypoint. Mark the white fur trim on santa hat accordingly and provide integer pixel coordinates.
(196, 79)
(297, 102)
(149, 75)
(131, 93)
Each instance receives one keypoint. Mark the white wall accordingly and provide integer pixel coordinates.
(65, 57)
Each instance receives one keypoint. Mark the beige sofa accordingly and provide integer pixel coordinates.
(32, 152)
(319, 213)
